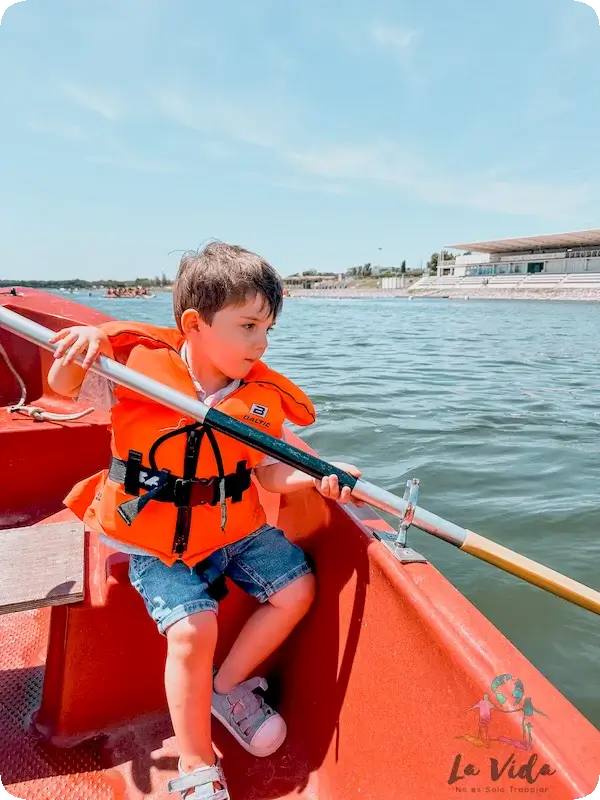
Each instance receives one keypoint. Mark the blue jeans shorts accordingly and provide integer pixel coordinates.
(261, 564)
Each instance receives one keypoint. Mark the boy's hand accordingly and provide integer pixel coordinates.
(329, 486)
(81, 339)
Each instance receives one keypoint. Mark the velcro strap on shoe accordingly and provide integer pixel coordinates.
(200, 777)
(246, 687)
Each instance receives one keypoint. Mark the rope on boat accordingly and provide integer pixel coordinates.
(36, 412)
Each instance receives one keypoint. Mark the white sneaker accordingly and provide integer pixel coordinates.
(257, 727)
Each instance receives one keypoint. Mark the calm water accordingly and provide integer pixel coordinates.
(494, 406)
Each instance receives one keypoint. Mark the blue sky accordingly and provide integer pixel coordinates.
(312, 132)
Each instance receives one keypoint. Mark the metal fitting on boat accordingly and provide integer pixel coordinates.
(411, 498)
(400, 548)
(398, 543)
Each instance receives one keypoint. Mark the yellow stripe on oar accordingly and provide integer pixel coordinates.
(531, 571)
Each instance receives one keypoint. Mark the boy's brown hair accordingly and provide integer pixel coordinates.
(223, 274)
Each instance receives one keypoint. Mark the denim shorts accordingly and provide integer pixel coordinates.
(261, 564)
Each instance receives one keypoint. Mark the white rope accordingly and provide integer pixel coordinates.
(36, 412)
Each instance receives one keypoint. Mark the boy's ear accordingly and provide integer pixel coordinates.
(190, 320)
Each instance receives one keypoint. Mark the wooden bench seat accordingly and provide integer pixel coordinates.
(41, 565)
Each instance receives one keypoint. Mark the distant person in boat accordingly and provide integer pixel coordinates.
(185, 535)
(128, 291)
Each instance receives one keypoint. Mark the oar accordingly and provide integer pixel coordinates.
(466, 540)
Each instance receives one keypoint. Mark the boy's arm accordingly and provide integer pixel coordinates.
(282, 479)
(65, 377)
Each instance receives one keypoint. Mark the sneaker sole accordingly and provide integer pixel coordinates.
(255, 751)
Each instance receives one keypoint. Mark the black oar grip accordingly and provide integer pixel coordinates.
(277, 448)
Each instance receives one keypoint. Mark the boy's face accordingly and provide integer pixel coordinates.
(235, 340)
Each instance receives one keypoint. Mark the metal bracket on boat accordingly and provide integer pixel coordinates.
(399, 544)
(402, 551)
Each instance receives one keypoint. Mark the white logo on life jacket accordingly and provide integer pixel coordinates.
(4, 795)
(260, 411)
(146, 481)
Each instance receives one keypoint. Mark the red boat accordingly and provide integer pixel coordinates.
(393, 687)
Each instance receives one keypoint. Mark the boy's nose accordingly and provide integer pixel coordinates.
(261, 345)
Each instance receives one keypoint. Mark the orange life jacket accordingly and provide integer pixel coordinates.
(175, 488)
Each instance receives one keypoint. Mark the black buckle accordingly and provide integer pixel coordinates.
(193, 492)
(203, 491)
(182, 492)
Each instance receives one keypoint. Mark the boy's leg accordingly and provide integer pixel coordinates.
(267, 628)
(276, 572)
(177, 599)
(188, 684)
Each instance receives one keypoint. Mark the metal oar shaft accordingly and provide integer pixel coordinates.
(482, 548)
(466, 540)
(191, 407)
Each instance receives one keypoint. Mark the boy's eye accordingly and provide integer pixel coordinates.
(249, 326)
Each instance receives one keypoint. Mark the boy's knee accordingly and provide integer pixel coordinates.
(192, 635)
(298, 596)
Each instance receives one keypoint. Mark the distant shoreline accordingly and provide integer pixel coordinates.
(582, 295)
(373, 293)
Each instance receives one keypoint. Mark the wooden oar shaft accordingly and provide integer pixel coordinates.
(531, 571)
(363, 490)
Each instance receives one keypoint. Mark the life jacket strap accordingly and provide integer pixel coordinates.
(164, 487)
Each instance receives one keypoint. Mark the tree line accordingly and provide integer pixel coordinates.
(361, 271)
(368, 270)
(79, 283)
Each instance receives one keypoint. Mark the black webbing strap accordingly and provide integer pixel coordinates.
(162, 486)
(176, 490)
(131, 481)
(183, 492)
(240, 483)
(184, 512)
(131, 508)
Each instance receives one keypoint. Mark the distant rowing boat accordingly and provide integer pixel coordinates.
(128, 296)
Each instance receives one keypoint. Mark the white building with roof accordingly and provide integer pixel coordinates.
(556, 253)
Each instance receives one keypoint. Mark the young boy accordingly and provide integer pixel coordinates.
(185, 533)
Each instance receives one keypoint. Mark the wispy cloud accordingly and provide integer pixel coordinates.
(544, 200)
(62, 130)
(250, 119)
(390, 165)
(97, 101)
(108, 148)
(115, 150)
(379, 163)
(303, 185)
(136, 163)
(393, 37)
(362, 34)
